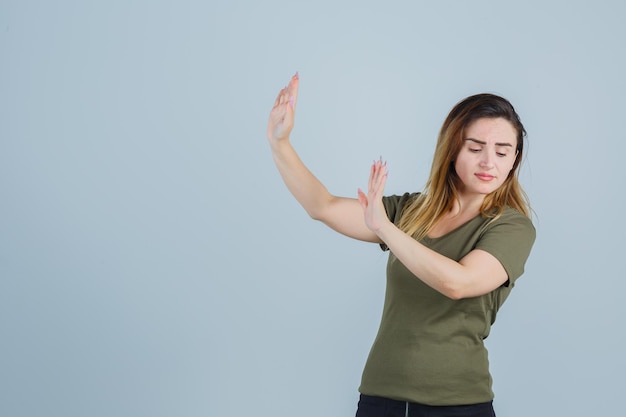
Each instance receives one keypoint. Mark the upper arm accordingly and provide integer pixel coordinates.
(500, 255)
(345, 216)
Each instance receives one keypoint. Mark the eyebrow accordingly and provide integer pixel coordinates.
(480, 142)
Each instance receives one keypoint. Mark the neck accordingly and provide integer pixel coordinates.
(467, 205)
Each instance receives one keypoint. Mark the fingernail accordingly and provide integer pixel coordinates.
(296, 76)
(291, 101)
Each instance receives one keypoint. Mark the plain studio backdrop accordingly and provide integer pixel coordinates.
(152, 263)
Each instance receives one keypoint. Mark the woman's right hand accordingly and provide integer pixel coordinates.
(281, 119)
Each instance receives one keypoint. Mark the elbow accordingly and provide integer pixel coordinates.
(315, 214)
(453, 292)
(454, 295)
(457, 286)
(320, 210)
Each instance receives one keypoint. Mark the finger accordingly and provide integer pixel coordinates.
(277, 116)
(292, 89)
(284, 96)
(381, 188)
(279, 96)
(382, 181)
(376, 175)
(380, 178)
(382, 172)
(372, 178)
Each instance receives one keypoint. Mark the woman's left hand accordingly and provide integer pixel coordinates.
(372, 202)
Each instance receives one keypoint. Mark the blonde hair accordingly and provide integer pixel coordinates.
(441, 190)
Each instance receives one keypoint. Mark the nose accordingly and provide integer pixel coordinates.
(486, 159)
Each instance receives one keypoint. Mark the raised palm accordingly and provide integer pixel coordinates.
(281, 118)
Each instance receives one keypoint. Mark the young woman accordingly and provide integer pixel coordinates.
(456, 250)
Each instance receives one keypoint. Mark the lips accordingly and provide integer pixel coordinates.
(483, 176)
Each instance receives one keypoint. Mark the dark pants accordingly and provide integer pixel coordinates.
(383, 407)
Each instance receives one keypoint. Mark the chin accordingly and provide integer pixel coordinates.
(486, 191)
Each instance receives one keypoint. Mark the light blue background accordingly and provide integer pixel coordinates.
(153, 264)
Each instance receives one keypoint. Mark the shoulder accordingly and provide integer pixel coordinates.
(511, 216)
(511, 223)
(395, 204)
(401, 198)
(509, 237)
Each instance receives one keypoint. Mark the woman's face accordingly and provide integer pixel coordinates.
(486, 156)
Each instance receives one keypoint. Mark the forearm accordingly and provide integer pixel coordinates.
(305, 187)
(437, 271)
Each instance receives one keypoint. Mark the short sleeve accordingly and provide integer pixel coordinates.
(393, 206)
(509, 239)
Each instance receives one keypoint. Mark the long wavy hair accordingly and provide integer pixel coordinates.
(441, 189)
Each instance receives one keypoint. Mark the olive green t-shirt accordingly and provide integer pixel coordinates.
(429, 348)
